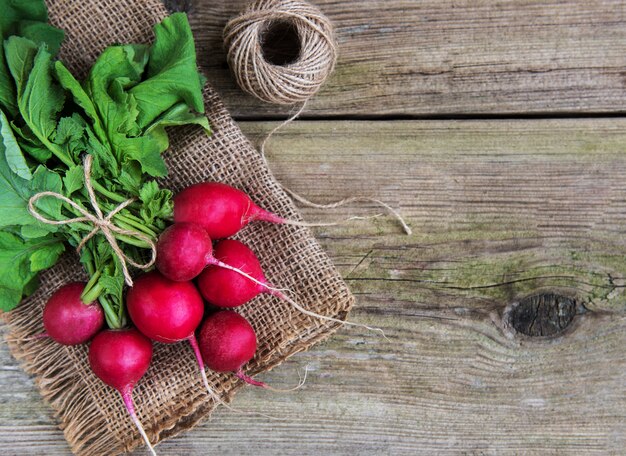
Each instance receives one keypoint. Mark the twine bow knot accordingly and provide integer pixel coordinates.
(100, 223)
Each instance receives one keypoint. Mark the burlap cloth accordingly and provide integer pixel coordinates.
(170, 398)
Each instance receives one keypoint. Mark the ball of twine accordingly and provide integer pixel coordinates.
(294, 81)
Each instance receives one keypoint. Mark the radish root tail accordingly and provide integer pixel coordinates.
(249, 380)
(196, 351)
(128, 402)
(281, 295)
(221, 264)
(315, 224)
(232, 409)
(354, 199)
(278, 292)
(246, 378)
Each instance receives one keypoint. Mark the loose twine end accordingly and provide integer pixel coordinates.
(353, 199)
(100, 223)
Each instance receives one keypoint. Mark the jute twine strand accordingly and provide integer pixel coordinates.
(353, 199)
(280, 84)
(100, 223)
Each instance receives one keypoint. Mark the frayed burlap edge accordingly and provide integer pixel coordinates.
(170, 398)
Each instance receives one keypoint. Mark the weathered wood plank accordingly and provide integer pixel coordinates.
(527, 204)
(440, 386)
(432, 57)
(500, 209)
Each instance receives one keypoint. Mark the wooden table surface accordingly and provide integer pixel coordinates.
(498, 130)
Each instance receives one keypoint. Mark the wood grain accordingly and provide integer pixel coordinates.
(500, 210)
(449, 58)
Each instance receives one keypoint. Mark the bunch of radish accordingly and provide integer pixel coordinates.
(166, 306)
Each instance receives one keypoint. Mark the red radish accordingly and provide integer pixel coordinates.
(225, 288)
(223, 210)
(227, 342)
(244, 280)
(167, 311)
(183, 251)
(220, 209)
(164, 310)
(119, 358)
(67, 319)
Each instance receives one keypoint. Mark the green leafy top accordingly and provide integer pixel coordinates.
(49, 120)
(27, 18)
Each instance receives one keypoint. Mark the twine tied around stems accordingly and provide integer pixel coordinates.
(100, 223)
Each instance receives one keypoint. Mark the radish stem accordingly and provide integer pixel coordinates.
(113, 319)
(93, 289)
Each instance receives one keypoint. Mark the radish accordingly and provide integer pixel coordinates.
(67, 319)
(170, 312)
(225, 288)
(244, 280)
(120, 358)
(167, 311)
(220, 209)
(227, 342)
(183, 251)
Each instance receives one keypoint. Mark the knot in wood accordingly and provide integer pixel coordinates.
(542, 315)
